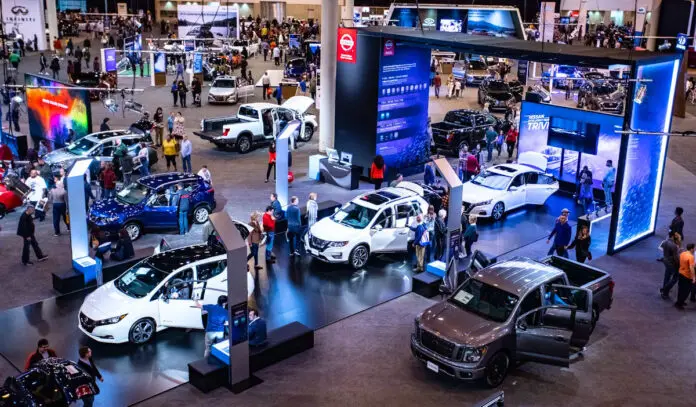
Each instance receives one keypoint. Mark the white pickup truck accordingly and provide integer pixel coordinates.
(258, 124)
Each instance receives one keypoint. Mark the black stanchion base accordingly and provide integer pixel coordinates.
(244, 384)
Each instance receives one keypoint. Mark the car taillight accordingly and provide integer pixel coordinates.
(450, 137)
(83, 391)
(225, 132)
(211, 190)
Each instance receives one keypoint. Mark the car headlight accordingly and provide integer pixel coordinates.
(338, 244)
(482, 203)
(211, 97)
(230, 98)
(111, 321)
(474, 355)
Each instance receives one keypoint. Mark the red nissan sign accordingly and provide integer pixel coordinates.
(347, 45)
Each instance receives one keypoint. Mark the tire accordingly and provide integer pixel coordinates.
(3, 211)
(244, 144)
(359, 256)
(498, 211)
(142, 331)
(201, 214)
(497, 369)
(134, 229)
(309, 132)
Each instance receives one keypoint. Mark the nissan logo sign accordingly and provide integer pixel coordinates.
(388, 44)
(19, 10)
(429, 22)
(346, 42)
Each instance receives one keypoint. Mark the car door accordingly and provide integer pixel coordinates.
(384, 233)
(159, 211)
(404, 213)
(244, 90)
(539, 187)
(517, 193)
(209, 283)
(179, 312)
(540, 342)
(576, 312)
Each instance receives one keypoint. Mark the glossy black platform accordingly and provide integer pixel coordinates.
(294, 289)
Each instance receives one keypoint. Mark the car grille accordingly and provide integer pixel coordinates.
(610, 105)
(436, 344)
(87, 323)
(220, 98)
(316, 243)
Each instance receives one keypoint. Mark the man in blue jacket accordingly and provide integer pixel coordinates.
(421, 240)
(294, 225)
(257, 329)
(182, 199)
(561, 234)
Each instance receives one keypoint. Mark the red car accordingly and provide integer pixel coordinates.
(8, 199)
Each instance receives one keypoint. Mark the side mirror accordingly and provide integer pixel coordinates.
(521, 325)
(513, 188)
(377, 228)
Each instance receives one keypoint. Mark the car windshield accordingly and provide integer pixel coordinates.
(355, 216)
(492, 180)
(140, 280)
(81, 146)
(477, 65)
(133, 194)
(498, 86)
(485, 300)
(226, 83)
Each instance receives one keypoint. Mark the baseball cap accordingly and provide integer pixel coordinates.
(565, 210)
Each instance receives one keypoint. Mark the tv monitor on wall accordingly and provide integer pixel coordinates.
(54, 108)
(573, 135)
(449, 25)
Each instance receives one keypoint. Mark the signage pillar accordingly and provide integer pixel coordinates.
(77, 209)
(283, 147)
(52, 20)
(327, 109)
(582, 20)
(347, 10)
(547, 21)
(454, 208)
(237, 295)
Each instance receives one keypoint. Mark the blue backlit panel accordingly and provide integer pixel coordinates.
(646, 154)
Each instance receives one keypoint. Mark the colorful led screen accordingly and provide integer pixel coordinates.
(54, 108)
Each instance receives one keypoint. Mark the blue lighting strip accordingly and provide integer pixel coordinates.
(643, 175)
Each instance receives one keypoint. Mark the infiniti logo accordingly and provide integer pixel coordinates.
(19, 10)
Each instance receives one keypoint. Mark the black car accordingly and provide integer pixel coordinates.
(604, 97)
(52, 382)
(497, 94)
(517, 89)
(91, 80)
(465, 127)
(295, 68)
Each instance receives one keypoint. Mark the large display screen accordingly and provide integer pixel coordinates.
(646, 154)
(476, 21)
(570, 139)
(160, 62)
(402, 106)
(52, 112)
(207, 22)
(573, 135)
(110, 59)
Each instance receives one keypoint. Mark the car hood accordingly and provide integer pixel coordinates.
(59, 156)
(108, 207)
(478, 72)
(473, 193)
(300, 104)
(222, 91)
(459, 326)
(502, 95)
(108, 302)
(327, 229)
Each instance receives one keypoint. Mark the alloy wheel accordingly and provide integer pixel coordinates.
(201, 214)
(309, 132)
(359, 258)
(244, 145)
(142, 331)
(497, 369)
(133, 230)
(498, 211)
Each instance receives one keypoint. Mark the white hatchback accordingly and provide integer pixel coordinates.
(157, 293)
(374, 222)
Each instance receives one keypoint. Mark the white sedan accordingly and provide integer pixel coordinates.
(157, 293)
(502, 188)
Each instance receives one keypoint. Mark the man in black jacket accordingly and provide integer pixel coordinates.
(25, 229)
(87, 364)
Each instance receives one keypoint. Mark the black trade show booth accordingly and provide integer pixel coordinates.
(382, 95)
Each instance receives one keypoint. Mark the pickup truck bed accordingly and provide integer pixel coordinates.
(212, 128)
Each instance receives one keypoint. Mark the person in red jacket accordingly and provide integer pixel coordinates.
(268, 222)
(437, 83)
(108, 179)
(271, 161)
(472, 165)
(511, 139)
(43, 351)
(377, 171)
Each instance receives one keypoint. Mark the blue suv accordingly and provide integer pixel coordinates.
(145, 205)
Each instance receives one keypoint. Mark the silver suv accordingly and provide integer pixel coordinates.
(229, 89)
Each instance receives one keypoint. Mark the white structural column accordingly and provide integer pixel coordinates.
(52, 20)
(652, 27)
(327, 105)
(347, 13)
(582, 20)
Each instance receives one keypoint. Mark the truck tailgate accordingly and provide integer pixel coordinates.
(208, 135)
(579, 275)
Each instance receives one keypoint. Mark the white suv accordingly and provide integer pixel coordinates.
(374, 222)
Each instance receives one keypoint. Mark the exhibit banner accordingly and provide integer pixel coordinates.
(570, 139)
(25, 19)
(347, 45)
(52, 112)
(208, 22)
(645, 155)
(122, 9)
(160, 62)
(110, 60)
(402, 107)
(197, 63)
(388, 47)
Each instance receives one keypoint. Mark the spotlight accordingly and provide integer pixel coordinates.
(110, 105)
(640, 94)
(134, 106)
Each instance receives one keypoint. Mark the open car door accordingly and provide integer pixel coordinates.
(567, 298)
(539, 342)
(244, 89)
